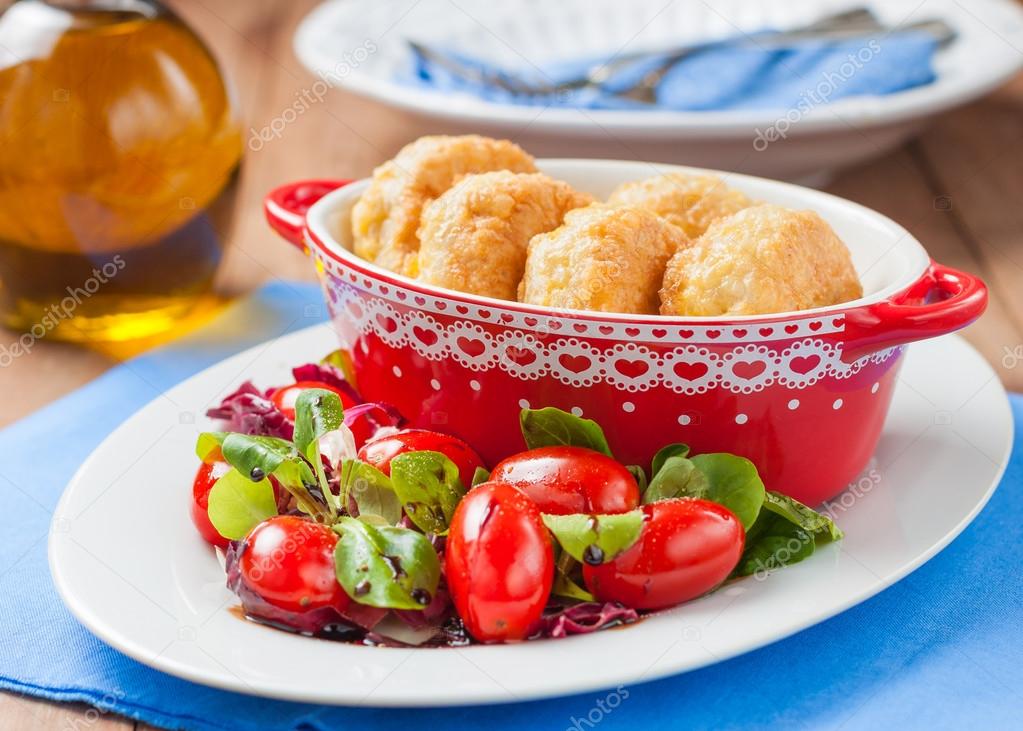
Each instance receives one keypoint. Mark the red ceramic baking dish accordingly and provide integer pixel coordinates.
(802, 394)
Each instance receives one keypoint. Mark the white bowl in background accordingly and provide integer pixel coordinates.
(359, 45)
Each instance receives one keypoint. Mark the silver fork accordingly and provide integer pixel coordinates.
(856, 23)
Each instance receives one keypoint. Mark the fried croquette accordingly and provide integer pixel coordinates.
(602, 258)
(691, 202)
(760, 260)
(473, 238)
(385, 219)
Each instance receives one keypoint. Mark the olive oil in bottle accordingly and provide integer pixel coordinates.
(119, 147)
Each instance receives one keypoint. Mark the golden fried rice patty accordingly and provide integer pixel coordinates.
(691, 202)
(386, 217)
(602, 258)
(760, 260)
(473, 238)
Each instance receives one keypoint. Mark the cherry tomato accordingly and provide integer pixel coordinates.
(289, 562)
(284, 398)
(379, 452)
(566, 480)
(499, 562)
(208, 474)
(687, 547)
(212, 469)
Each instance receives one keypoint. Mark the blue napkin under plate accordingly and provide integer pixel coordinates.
(723, 76)
(940, 649)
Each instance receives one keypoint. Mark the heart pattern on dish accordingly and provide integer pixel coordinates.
(575, 363)
(785, 353)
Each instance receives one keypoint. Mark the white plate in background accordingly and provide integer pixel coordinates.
(360, 46)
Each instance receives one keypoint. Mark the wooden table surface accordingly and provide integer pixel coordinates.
(958, 189)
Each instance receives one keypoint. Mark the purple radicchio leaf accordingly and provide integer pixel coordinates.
(326, 373)
(365, 420)
(580, 619)
(249, 411)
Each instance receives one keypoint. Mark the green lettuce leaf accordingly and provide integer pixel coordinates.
(671, 450)
(771, 543)
(732, 481)
(238, 504)
(481, 475)
(551, 427)
(260, 456)
(595, 539)
(428, 487)
(785, 532)
(207, 442)
(677, 476)
(387, 567)
(639, 474)
(820, 526)
(317, 411)
(372, 492)
(567, 587)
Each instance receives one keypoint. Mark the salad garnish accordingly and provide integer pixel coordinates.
(339, 522)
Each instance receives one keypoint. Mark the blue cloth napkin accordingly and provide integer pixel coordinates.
(726, 75)
(940, 649)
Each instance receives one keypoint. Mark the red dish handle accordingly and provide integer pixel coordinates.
(285, 206)
(941, 301)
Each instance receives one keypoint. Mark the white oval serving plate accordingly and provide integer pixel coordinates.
(359, 45)
(128, 563)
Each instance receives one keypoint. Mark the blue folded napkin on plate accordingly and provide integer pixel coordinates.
(940, 649)
(727, 75)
